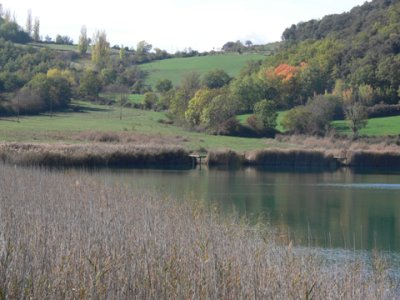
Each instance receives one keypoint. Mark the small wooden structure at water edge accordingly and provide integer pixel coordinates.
(196, 158)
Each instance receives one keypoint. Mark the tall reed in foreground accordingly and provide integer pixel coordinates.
(70, 235)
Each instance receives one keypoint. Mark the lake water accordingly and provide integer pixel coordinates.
(340, 209)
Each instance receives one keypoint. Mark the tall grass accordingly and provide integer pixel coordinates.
(364, 159)
(292, 158)
(68, 235)
(93, 155)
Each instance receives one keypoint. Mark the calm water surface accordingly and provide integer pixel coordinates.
(330, 210)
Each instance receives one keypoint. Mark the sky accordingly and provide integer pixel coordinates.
(174, 25)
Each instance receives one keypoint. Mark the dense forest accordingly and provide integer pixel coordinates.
(342, 66)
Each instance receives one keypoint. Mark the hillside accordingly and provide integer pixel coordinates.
(173, 69)
(361, 47)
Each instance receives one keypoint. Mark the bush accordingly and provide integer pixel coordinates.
(383, 110)
(253, 122)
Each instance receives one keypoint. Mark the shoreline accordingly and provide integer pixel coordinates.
(140, 155)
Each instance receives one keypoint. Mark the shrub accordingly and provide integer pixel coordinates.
(253, 122)
(383, 110)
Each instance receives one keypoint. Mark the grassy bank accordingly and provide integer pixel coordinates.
(69, 235)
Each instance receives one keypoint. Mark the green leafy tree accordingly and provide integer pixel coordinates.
(150, 100)
(190, 84)
(198, 104)
(178, 105)
(53, 90)
(221, 109)
(163, 85)
(100, 50)
(265, 112)
(297, 120)
(216, 79)
(90, 85)
(249, 90)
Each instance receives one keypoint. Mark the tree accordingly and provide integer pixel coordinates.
(83, 43)
(357, 117)
(297, 120)
(164, 85)
(28, 27)
(198, 104)
(221, 109)
(216, 79)
(266, 113)
(143, 48)
(150, 100)
(190, 84)
(90, 85)
(63, 40)
(100, 49)
(249, 43)
(121, 95)
(142, 51)
(123, 55)
(53, 90)
(249, 90)
(36, 30)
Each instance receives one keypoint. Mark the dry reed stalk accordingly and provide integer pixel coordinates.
(92, 155)
(69, 234)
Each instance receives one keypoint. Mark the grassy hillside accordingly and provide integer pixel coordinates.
(375, 127)
(135, 124)
(175, 68)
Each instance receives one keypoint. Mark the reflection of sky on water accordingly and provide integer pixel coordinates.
(383, 186)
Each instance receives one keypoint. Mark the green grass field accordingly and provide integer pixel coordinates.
(375, 127)
(64, 126)
(175, 68)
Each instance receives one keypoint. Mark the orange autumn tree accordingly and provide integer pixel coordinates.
(284, 78)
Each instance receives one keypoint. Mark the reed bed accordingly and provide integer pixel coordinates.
(224, 158)
(291, 158)
(93, 155)
(68, 235)
(382, 160)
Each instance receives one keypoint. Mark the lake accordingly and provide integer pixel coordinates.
(342, 209)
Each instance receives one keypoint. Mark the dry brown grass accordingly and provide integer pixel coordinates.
(66, 235)
(336, 146)
(93, 154)
(130, 138)
(225, 158)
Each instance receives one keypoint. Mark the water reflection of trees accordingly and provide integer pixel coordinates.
(307, 211)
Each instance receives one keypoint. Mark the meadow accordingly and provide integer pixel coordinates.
(92, 121)
(375, 127)
(88, 123)
(173, 69)
(71, 235)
